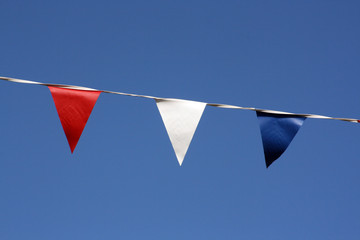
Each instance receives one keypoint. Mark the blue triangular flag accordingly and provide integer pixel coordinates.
(277, 132)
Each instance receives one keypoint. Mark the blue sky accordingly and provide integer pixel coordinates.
(123, 180)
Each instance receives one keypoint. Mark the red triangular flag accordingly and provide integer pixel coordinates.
(74, 108)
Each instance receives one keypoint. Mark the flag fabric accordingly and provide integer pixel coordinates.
(74, 108)
(277, 132)
(180, 118)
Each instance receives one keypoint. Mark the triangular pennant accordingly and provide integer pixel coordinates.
(180, 118)
(74, 108)
(277, 132)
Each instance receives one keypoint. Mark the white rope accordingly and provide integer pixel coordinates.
(158, 98)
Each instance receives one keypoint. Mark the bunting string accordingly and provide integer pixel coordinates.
(219, 105)
(181, 117)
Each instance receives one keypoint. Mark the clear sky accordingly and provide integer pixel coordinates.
(123, 180)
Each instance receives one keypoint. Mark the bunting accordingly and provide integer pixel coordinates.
(180, 118)
(74, 108)
(277, 132)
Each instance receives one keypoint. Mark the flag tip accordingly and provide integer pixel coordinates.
(268, 164)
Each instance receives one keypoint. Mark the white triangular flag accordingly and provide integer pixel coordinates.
(180, 118)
